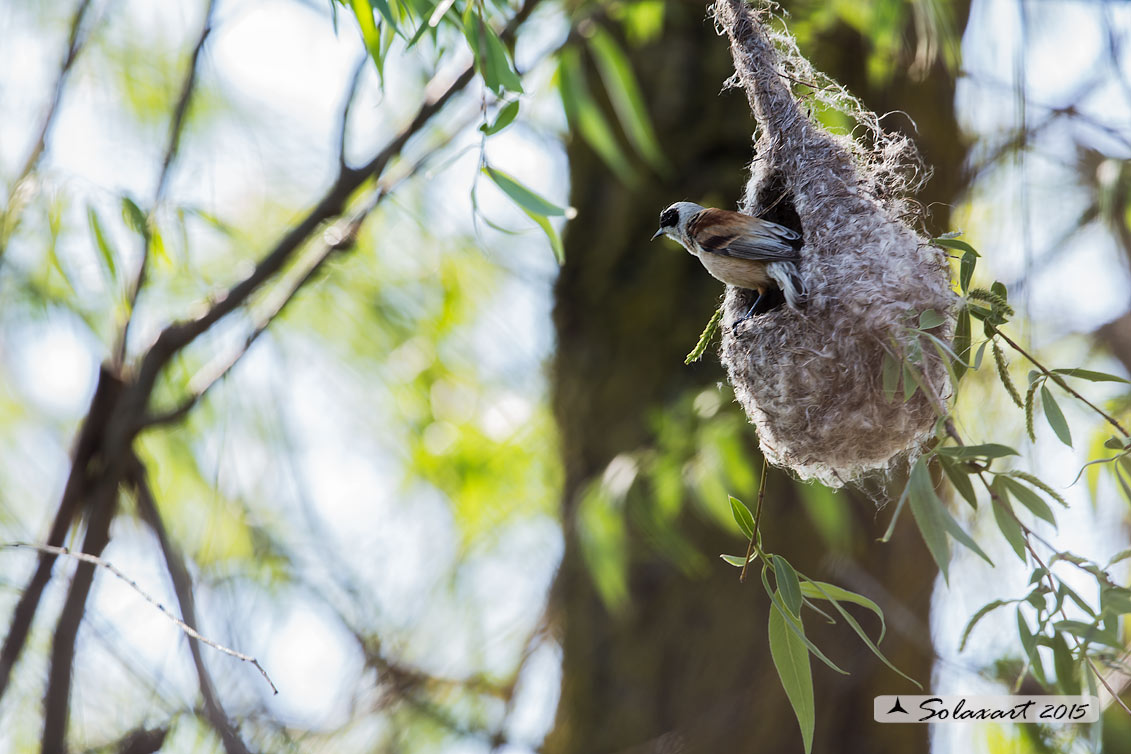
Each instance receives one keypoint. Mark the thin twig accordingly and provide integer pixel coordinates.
(101, 563)
(1028, 534)
(343, 122)
(750, 549)
(75, 44)
(182, 586)
(1052, 585)
(9, 216)
(1060, 381)
(176, 130)
(341, 237)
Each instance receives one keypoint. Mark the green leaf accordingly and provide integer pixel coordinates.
(370, 34)
(505, 117)
(742, 516)
(105, 250)
(980, 353)
(962, 343)
(911, 381)
(930, 318)
(134, 218)
(583, 112)
(988, 450)
(791, 660)
(500, 61)
(983, 611)
(952, 243)
(795, 624)
(1115, 600)
(491, 57)
(958, 533)
(927, 511)
(966, 269)
(1055, 417)
(1028, 498)
(1088, 632)
(789, 587)
(624, 93)
(1006, 522)
(960, 479)
(1114, 443)
(1029, 643)
(1091, 376)
(895, 516)
(382, 7)
(891, 374)
(643, 20)
(1065, 666)
(823, 590)
(522, 196)
(851, 621)
(705, 337)
(735, 560)
(551, 233)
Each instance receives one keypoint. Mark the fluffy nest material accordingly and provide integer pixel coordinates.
(812, 381)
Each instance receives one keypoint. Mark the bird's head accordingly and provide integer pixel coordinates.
(674, 219)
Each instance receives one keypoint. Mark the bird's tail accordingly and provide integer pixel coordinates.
(792, 285)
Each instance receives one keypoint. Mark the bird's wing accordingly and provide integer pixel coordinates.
(733, 234)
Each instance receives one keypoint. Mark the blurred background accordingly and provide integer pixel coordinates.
(454, 495)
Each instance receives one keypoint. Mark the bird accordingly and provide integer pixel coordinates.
(740, 250)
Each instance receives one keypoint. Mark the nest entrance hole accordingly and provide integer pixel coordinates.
(773, 202)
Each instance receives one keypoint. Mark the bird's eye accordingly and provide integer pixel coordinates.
(669, 218)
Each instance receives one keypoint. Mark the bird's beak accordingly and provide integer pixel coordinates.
(657, 234)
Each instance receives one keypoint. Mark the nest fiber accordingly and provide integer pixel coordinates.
(811, 380)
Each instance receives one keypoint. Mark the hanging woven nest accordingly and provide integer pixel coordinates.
(812, 380)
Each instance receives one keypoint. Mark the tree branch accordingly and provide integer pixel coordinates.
(343, 123)
(75, 42)
(74, 47)
(102, 505)
(182, 585)
(86, 455)
(339, 238)
(179, 334)
(176, 129)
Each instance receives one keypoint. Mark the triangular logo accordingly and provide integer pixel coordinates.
(897, 707)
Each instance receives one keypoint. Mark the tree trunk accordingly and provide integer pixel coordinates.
(685, 665)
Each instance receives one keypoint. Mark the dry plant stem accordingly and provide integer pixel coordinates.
(1060, 381)
(757, 520)
(176, 129)
(99, 562)
(182, 586)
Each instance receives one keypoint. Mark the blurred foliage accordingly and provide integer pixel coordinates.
(406, 341)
